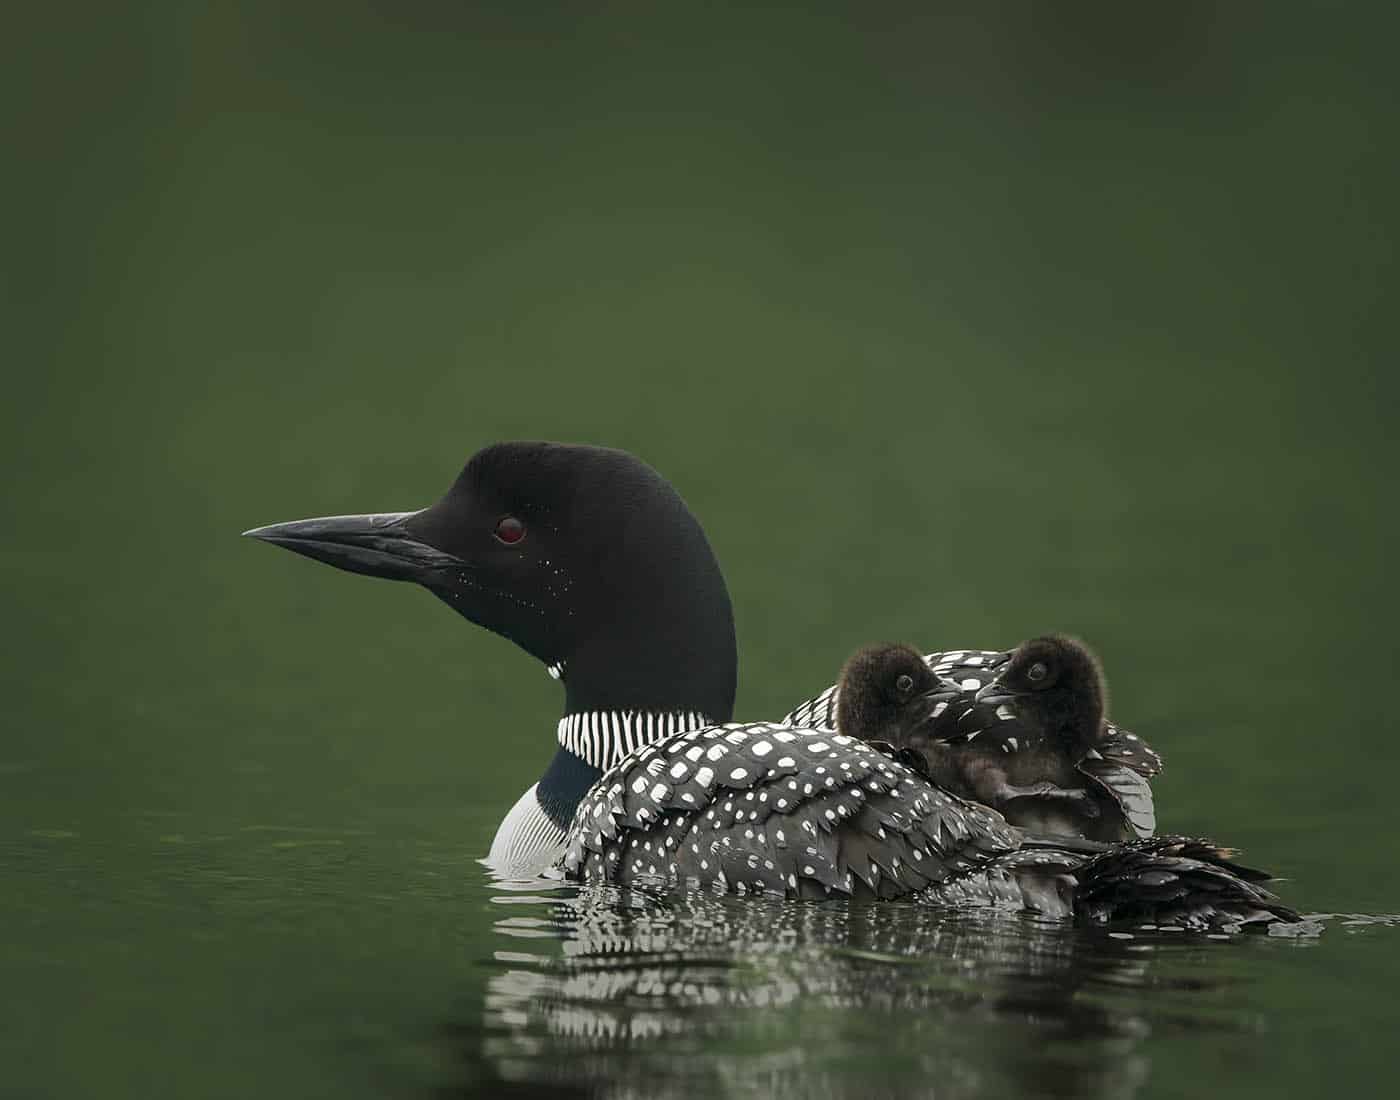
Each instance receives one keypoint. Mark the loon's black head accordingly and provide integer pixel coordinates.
(583, 556)
(1056, 686)
(888, 692)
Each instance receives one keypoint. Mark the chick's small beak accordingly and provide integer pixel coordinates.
(995, 694)
(945, 691)
(942, 694)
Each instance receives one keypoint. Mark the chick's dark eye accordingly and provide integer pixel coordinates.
(509, 530)
(904, 684)
(1037, 672)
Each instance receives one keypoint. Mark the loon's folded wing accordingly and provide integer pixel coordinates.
(1129, 750)
(1128, 789)
(773, 809)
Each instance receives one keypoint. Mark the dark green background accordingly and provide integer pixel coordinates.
(951, 327)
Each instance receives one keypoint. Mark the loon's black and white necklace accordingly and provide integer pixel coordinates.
(531, 836)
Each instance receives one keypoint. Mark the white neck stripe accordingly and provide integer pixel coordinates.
(603, 737)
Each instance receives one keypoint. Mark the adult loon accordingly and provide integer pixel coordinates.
(590, 561)
(1043, 778)
(1119, 762)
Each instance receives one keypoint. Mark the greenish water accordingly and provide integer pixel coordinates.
(950, 329)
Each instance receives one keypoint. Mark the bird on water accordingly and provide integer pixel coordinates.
(1042, 772)
(589, 560)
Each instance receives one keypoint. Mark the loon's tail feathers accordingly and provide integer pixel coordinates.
(1175, 882)
(1168, 882)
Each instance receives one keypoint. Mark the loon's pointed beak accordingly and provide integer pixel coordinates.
(377, 545)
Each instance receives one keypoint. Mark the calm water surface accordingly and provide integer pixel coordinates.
(177, 954)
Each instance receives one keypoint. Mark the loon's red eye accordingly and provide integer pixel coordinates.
(509, 530)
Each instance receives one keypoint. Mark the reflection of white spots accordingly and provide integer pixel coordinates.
(1015, 746)
(1005, 713)
(971, 684)
(939, 709)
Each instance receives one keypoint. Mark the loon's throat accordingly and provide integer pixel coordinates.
(603, 737)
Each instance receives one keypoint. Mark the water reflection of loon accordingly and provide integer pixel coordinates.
(806, 999)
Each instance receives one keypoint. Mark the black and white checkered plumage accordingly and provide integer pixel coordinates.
(768, 808)
(1120, 765)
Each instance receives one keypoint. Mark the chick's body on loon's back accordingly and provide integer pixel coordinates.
(1048, 777)
(590, 561)
(978, 727)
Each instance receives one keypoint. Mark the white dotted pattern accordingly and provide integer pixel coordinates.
(867, 826)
